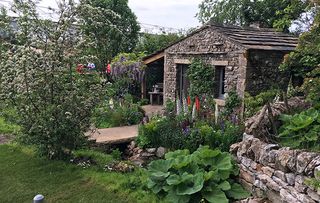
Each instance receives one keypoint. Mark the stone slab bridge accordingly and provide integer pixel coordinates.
(116, 135)
(125, 134)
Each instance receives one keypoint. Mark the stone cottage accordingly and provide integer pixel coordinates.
(246, 59)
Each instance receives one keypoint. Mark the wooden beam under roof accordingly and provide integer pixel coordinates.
(153, 58)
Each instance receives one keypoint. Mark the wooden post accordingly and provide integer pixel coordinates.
(144, 87)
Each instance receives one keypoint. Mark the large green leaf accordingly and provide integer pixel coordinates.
(225, 185)
(191, 184)
(155, 187)
(181, 161)
(174, 179)
(177, 153)
(237, 192)
(160, 166)
(174, 198)
(215, 196)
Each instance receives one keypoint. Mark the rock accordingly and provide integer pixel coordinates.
(280, 175)
(299, 185)
(132, 145)
(256, 149)
(161, 151)
(316, 172)
(246, 162)
(303, 159)
(293, 161)
(287, 197)
(283, 158)
(246, 175)
(280, 182)
(151, 150)
(247, 186)
(274, 196)
(305, 199)
(234, 148)
(313, 164)
(313, 194)
(290, 177)
(273, 185)
(146, 155)
(268, 171)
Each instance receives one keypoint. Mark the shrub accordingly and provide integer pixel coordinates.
(226, 136)
(301, 130)
(170, 133)
(106, 116)
(204, 175)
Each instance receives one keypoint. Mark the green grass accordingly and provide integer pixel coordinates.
(7, 128)
(23, 175)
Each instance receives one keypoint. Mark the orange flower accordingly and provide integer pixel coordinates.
(197, 104)
(189, 101)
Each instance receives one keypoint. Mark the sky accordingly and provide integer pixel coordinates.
(168, 13)
(178, 14)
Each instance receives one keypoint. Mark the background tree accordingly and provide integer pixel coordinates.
(268, 13)
(114, 31)
(54, 103)
(150, 43)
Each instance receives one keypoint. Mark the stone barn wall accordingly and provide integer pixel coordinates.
(262, 71)
(276, 173)
(214, 49)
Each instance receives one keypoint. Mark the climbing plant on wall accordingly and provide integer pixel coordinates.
(201, 77)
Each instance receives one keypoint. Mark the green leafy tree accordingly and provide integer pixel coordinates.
(268, 13)
(150, 43)
(307, 55)
(114, 28)
(38, 77)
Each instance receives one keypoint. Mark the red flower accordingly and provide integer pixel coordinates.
(79, 68)
(108, 68)
(197, 104)
(189, 101)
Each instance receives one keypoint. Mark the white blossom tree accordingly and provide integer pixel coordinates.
(37, 64)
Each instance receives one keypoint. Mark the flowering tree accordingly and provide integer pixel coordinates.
(127, 73)
(38, 76)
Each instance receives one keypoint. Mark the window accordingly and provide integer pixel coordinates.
(220, 82)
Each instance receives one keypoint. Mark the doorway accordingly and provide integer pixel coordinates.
(183, 83)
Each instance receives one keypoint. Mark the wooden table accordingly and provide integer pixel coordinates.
(157, 94)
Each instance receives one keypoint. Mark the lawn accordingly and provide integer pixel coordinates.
(23, 175)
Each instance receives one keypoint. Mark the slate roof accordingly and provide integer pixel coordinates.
(249, 38)
(258, 38)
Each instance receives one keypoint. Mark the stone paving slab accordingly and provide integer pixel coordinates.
(115, 135)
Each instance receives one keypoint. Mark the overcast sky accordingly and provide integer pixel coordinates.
(168, 13)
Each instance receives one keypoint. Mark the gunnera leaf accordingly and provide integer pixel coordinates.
(160, 166)
(237, 192)
(174, 198)
(215, 196)
(177, 153)
(191, 184)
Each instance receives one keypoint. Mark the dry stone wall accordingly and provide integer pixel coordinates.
(276, 173)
